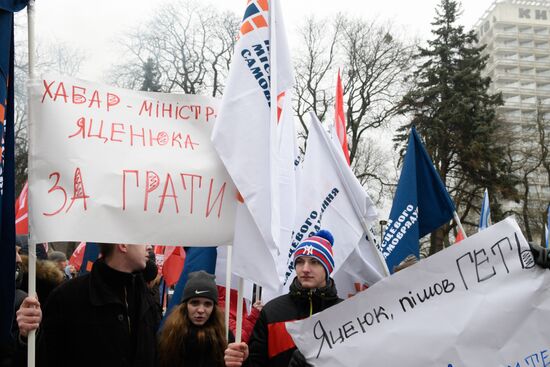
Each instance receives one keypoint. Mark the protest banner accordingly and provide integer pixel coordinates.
(481, 303)
(120, 166)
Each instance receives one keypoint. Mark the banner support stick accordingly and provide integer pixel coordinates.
(228, 288)
(459, 224)
(239, 330)
(31, 341)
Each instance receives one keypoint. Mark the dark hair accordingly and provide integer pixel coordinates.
(175, 334)
(151, 270)
(106, 249)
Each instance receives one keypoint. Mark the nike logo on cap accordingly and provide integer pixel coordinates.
(200, 292)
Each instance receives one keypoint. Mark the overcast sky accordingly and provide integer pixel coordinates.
(94, 25)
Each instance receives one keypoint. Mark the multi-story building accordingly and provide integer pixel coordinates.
(517, 35)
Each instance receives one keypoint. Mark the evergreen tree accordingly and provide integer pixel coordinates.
(151, 76)
(456, 116)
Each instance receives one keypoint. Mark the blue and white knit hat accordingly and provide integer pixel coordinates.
(318, 246)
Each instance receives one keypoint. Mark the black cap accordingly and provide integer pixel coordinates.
(200, 284)
(23, 242)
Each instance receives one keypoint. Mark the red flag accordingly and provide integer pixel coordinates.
(78, 256)
(21, 212)
(172, 264)
(340, 119)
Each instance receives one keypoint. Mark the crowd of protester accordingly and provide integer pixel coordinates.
(113, 315)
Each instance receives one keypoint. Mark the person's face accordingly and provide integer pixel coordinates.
(18, 270)
(199, 310)
(137, 256)
(18, 259)
(310, 272)
(62, 264)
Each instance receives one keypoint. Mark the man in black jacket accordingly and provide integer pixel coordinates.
(311, 291)
(104, 318)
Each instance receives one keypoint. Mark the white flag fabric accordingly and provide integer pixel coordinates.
(329, 197)
(360, 270)
(251, 258)
(247, 138)
(364, 266)
(287, 159)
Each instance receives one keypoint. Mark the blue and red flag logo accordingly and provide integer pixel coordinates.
(255, 16)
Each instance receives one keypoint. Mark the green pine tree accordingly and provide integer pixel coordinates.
(151, 77)
(456, 116)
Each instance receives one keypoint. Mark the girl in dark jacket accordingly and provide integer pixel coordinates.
(194, 332)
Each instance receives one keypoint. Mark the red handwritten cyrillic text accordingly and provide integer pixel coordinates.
(173, 111)
(78, 95)
(163, 193)
(124, 133)
(79, 192)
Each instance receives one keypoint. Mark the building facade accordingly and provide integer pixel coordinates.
(517, 36)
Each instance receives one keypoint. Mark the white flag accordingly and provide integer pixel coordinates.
(363, 267)
(360, 270)
(247, 138)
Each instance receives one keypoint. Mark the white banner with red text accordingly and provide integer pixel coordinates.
(119, 166)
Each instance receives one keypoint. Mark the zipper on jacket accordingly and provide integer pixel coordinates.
(127, 311)
(310, 303)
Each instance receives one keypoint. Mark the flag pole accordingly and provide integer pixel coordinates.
(31, 340)
(272, 140)
(228, 288)
(273, 122)
(239, 329)
(162, 285)
(459, 224)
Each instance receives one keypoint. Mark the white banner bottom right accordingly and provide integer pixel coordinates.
(480, 303)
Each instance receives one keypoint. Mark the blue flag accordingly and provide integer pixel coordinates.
(420, 206)
(7, 175)
(196, 258)
(91, 254)
(485, 215)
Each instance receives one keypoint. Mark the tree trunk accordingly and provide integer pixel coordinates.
(436, 240)
(525, 208)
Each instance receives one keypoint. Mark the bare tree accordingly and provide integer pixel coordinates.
(315, 68)
(377, 172)
(191, 45)
(528, 157)
(543, 140)
(58, 58)
(374, 63)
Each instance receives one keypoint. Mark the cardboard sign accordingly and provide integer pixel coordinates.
(120, 166)
(483, 302)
